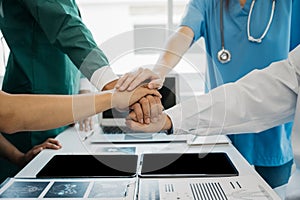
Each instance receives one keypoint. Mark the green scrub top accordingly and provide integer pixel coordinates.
(48, 44)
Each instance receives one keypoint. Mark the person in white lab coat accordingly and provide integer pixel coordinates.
(258, 101)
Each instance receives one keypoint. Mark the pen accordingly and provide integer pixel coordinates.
(88, 135)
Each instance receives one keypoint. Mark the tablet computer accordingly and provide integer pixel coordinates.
(187, 165)
(79, 166)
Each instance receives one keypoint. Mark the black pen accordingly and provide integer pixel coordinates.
(88, 135)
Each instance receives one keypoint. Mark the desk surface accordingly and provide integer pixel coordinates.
(72, 142)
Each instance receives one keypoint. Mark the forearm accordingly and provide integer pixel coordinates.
(175, 48)
(9, 151)
(42, 112)
(260, 100)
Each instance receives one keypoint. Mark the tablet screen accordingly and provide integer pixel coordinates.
(187, 165)
(75, 166)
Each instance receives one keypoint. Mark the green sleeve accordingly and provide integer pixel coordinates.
(61, 22)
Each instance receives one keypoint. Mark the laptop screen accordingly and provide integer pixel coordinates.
(169, 94)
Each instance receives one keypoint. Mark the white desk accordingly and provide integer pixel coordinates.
(72, 143)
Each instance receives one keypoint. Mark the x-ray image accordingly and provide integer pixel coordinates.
(117, 189)
(67, 190)
(24, 189)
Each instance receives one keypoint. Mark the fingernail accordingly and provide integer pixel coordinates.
(148, 120)
(141, 121)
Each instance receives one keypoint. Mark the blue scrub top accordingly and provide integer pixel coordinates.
(273, 146)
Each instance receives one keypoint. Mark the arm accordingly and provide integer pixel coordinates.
(260, 100)
(175, 48)
(42, 112)
(145, 110)
(192, 27)
(11, 153)
(71, 36)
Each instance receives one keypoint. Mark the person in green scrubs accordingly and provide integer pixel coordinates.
(50, 47)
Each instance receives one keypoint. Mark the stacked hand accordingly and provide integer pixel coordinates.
(146, 114)
(130, 81)
(125, 99)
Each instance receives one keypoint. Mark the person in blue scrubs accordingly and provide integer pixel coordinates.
(270, 152)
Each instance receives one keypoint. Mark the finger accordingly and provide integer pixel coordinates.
(139, 79)
(155, 93)
(34, 152)
(86, 124)
(146, 109)
(121, 81)
(131, 77)
(159, 107)
(136, 126)
(155, 108)
(53, 141)
(80, 125)
(49, 145)
(91, 124)
(151, 92)
(132, 116)
(137, 110)
(155, 84)
(152, 105)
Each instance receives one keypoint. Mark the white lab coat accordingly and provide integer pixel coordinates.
(259, 101)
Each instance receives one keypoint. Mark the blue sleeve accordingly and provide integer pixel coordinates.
(295, 25)
(194, 17)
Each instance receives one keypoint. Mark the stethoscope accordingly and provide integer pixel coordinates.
(224, 55)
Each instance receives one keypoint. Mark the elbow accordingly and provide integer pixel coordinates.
(9, 123)
(8, 130)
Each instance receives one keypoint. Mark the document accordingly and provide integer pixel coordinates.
(100, 188)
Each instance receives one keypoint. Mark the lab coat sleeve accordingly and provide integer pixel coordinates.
(61, 22)
(260, 100)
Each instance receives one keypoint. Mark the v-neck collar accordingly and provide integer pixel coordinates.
(238, 9)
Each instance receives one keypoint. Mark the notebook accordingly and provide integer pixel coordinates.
(113, 121)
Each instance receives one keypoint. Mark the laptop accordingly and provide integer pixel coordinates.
(113, 121)
(113, 128)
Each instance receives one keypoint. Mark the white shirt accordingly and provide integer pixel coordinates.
(259, 101)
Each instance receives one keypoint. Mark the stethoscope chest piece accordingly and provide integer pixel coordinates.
(224, 56)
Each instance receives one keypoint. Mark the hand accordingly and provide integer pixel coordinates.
(125, 99)
(88, 123)
(147, 109)
(163, 123)
(50, 143)
(130, 81)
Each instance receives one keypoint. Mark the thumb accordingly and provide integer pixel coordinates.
(155, 84)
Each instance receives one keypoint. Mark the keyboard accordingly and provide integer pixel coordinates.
(117, 130)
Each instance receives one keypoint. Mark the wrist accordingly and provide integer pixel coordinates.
(168, 124)
(18, 158)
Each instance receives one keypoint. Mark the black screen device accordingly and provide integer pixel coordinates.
(187, 165)
(82, 166)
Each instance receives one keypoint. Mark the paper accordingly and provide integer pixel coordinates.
(208, 140)
(85, 188)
